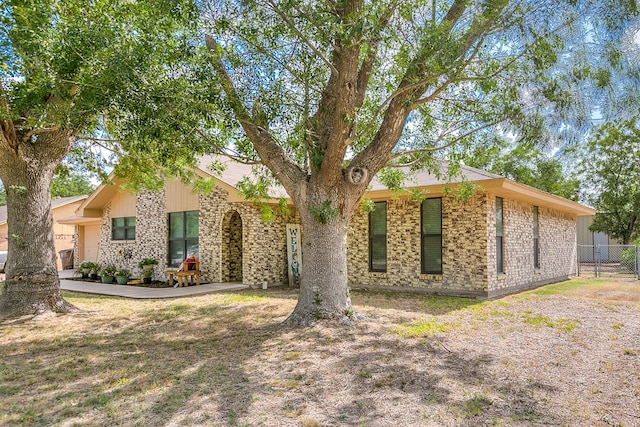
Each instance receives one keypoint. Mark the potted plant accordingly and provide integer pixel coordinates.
(93, 270)
(148, 263)
(107, 273)
(85, 268)
(146, 276)
(122, 276)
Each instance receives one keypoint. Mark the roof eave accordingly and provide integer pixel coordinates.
(502, 187)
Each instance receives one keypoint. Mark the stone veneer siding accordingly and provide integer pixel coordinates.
(264, 250)
(464, 263)
(151, 236)
(557, 241)
(264, 253)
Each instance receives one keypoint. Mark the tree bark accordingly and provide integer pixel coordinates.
(32, 282)
(324, 293)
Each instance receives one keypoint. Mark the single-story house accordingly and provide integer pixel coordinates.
(505, 238)
(61, 207)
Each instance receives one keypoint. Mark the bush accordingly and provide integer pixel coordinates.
(148, 261)
(629, 256)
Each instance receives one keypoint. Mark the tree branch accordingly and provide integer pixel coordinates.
(415, 80)
(271, 154)
(455, 11)
(306, 41)
(364, 74)
(6, 124)
(236, 157)
(37, 131)
(432, 96)
(448, 144)
(398, 92)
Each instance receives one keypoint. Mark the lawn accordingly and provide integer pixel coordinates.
(565, 354)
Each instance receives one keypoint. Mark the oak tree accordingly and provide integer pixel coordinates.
(327, 94)
(611, 169)
(71, 70)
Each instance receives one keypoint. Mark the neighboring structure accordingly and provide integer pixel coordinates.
(590, 238)
(596, 245)
(61, 207)
(505, 238)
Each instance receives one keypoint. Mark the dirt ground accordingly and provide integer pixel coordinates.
(567, 354)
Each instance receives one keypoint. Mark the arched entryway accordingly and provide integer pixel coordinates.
(232, 247)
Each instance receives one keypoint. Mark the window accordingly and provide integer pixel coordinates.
(123, 228)
(378, 237)
(536, 239)
(431, 219)
(499, 236)
(183, 236)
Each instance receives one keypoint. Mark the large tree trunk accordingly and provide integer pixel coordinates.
(32, 283)
(325, 211)
(324, 293)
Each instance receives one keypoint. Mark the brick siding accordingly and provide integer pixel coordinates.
(235, 244)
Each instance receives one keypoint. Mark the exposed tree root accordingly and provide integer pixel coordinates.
(305, 320)
(50, 304)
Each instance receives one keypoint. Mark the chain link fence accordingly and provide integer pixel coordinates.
(609, 260)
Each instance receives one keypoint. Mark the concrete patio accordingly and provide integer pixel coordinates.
(67, 283)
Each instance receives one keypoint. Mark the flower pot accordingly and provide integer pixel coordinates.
(93, 276)
(107, 279)
(146, 280)
(147, 267)
(122, 280)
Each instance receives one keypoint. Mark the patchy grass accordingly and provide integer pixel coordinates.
(539, 320)
(600, 288)
(544, 357)
(421, 328)
(475, 405)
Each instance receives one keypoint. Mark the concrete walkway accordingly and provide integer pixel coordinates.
(68, 284)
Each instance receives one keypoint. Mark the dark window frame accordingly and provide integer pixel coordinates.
(536, 237)
(378, 241)
(187, 241)
(425, 236)
(500, 235)
(128, 230)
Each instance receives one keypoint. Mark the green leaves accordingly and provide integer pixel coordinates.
(125, 74)
(324, 213)
(611, 168)
(527, 164)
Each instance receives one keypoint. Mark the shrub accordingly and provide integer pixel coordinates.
(148, 261)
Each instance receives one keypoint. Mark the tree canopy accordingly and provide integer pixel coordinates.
(526, 164)
(611, 169)
(327, 94)
(537, 68)
(99, 71)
